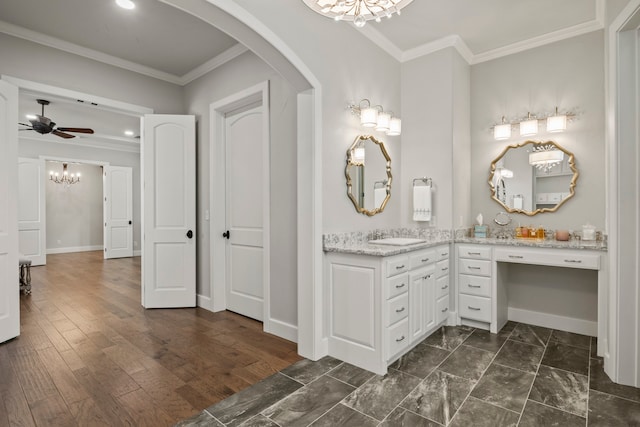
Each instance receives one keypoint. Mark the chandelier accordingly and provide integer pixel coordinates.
(65, 178)
(545, 157)
(358, 11)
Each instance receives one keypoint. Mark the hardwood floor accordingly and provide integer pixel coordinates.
(89, 354)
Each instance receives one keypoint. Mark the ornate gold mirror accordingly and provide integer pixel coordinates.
(368, 174)
(533, 177)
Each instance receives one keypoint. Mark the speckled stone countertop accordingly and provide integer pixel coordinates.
(365, 248)
(534, 243)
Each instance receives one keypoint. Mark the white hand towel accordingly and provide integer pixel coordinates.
(517, 202)
(422, 203)
(379, 194)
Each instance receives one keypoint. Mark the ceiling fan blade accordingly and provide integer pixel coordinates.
(24, 124)
(62, 134)
(77, 130)
(25, 129)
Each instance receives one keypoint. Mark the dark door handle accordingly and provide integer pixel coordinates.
(227, 234)
(129, 222)
(189, 234)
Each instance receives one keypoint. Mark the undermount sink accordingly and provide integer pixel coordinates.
(397, 241)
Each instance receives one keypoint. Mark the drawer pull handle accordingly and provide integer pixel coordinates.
(444, 254)
(473, 308)
(400, 286)
(400, 310)
(428, 276)
(400, 339)
(425, 260)
(445, 268)
(444, 287)
(398, 267)
(473, 286)
(473, 268)
(516, 256)
(444, 310)
(474, 253)
(576, 261)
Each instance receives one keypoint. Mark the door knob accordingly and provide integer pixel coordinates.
(129, 222)
(189, 234)
(227, 234)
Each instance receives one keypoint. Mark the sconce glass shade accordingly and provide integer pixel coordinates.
(384, 121)
(529, 127)
(369, 117)
(557, 123)
(545, 158)
(357, 156)
(395, 127)
(501, 132)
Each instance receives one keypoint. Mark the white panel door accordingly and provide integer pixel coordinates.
(118, 212)
(168, 211)
(9, 290)
(244, 202)
(32, 233)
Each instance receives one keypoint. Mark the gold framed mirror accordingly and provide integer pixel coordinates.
(533, 177)
(368, 174)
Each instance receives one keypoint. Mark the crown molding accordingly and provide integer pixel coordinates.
(218, 60)
(381, 41)
(454, 41)
(125, 146)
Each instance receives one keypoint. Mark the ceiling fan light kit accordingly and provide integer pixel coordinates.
(43, 125)
(126, 4)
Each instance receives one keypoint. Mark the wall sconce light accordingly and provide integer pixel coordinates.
(376, 117)
(529, 125)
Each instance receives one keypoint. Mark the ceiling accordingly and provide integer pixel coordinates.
(163, 42)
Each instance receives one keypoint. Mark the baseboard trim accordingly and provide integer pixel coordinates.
(137, 253)
(553, 321)
(282, 329)
(54, 251)
(203, 302)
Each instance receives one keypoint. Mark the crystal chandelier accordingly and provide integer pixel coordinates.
(545, 157)
(358, 11)
(65, 179)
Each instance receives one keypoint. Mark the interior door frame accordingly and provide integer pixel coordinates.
(217, 185)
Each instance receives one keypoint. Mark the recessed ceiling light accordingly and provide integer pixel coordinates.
(128, 132)
(31, 116)
(126, 4)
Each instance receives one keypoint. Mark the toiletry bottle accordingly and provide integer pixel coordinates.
(524, 231)
(540, 233)
(518, 232)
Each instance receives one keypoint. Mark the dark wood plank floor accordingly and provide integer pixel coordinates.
(89, 354)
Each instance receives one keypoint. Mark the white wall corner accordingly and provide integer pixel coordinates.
(381, 41)
(281, 329)
(203, 301)
(434, 46)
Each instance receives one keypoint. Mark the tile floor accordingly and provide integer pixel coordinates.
(459, 376)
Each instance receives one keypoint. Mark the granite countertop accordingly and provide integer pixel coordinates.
(533, 243)
(365, 248)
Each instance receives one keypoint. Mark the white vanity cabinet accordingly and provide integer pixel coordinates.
(380, 307)
(474, 285)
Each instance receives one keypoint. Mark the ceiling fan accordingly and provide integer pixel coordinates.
(44, 125)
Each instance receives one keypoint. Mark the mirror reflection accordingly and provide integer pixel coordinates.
(368, 174)
(533, 177)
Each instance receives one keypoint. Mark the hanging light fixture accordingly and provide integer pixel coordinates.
(65, 179)
(529, 127)
(502, 131)
(557, 122)
(358, 11)
(384, 121)
(376, 117)
(545, 157)
(395, 127)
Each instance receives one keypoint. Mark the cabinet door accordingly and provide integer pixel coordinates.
(429, 302)
(416, 301)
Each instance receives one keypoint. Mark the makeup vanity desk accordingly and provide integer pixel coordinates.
(483, 276)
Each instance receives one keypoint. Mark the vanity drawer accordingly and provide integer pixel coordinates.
(442, 286)
(397, 265)
(442, 309)
(558, 258)
(397, 285)
(476, 308)
(442, 268)
(423, 258)
(474, 285)
(473, 266)
(475, 252)
(397, 308)
(397, 338)
(443, 252)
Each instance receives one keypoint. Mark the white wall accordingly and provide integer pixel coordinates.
(30, 148)
(74, 213)
(568, 74)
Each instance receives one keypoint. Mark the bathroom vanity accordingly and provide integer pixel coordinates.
(382, 301)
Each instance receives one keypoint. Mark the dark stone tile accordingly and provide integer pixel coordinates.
(508, 327)
(477, 413)
(600, 381)
(308, 403)
(351, 374)
(611, 411)
(504, 387)
(561, 389)
(566, 357)
(421, 361)
(520, 355)
(594, 347)
(400, 417)
(537, 415)
(259, 421)
(438, 397)
(307, 370)
(448, 337)
(243, 405)
(200, 420)
(467, 362)
(341, 415)
(569, 338)
(485, 340)
(530, 334)
(378, 397)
